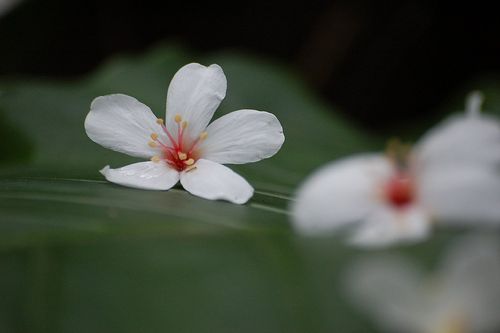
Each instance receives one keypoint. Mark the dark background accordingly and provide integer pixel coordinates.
(383, 63)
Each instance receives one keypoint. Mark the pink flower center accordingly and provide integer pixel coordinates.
(178, 152)
(400, 190)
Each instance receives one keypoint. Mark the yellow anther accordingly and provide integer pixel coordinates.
(154, 136)
(398, 153)
(178, 118)
(189, 162)
(203, 135)
(190, 168)
(152, 144)
(182, 156)
(155, 159)
(184, 124)
(159, 121)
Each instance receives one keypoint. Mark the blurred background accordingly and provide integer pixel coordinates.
(381, 63)
(78, 254)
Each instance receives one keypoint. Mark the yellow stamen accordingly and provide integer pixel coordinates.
(184, 124)
(155, 159)
(203, 135)
(396, 147)
(190, 168)
(189, 162)
(159, 121)
(152, 144)
(154, 136)
(182, 156)
(398, 153)
(178, 118)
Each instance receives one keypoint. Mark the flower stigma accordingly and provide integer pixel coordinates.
(178, 152)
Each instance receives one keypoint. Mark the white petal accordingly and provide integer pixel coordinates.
(195, 93)
(388, 225)
(390, 290)
(468, 139)
(214, 181)
(143, 175)
(122, 123)
(471, 275)
(462, 194)
(340, 193)
(243, 136)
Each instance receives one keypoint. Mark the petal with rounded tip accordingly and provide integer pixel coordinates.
(340, 193)
(214, 181)
(460, 140)
(143, 175)
(242, 136)
(122, 123)
(194, 94)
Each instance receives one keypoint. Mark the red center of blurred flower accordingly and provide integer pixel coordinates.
(399, 190)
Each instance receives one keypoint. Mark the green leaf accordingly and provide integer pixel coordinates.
(88, 256)
(63, 211)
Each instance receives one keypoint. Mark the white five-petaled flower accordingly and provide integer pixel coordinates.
(184, 146)
(463, 296)
(452, 176)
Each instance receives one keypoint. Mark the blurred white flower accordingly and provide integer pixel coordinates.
(463, 296)
(452, 176)
(184, 146)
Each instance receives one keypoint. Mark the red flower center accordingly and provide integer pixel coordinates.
(400, 190)
(178, 153)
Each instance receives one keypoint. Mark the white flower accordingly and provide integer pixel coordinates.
(463, 296)
(452, 176)
(184, 146)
